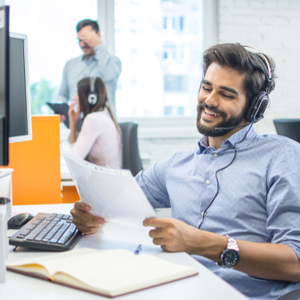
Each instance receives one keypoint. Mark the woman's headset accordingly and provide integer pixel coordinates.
(92, 96)
(260, 101)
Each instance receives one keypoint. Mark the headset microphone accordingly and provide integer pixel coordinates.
(232, 127)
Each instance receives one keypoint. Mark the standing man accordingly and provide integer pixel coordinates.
(235, 199)
(95, 62)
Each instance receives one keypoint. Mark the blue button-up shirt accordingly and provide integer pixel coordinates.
(102, 64)
(256, 197)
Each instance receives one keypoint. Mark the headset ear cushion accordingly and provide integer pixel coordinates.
(257, 107)
(92, 98)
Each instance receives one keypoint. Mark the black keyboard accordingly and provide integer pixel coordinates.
(54, 232)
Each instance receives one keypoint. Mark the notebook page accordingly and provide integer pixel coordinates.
(62, 262)
(122, 273)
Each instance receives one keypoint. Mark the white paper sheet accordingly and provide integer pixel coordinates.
(113, 194)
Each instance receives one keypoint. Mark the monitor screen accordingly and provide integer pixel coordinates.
(4, 84)
(19, 98)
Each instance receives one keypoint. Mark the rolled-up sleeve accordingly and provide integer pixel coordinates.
(283, 201)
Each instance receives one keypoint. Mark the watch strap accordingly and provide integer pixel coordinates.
(232, 244)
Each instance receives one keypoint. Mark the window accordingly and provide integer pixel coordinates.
(164, 62)
(168, 110)
(175, 83)
(51, 31)
(181, 23)
(174, 53)
(180, 110)
(173, 23)
(165, 22)
(152, 39)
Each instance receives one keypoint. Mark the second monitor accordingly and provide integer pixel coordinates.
(19, 89)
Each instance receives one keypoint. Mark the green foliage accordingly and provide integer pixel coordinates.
(41, 92)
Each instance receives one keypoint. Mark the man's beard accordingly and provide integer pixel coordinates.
(210, 131)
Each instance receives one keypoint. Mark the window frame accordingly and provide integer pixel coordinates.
(161, 127)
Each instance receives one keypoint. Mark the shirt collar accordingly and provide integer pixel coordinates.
(83, 58)
(241, 139)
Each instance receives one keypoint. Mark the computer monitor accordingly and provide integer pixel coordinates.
(19, 89)
(4, 84)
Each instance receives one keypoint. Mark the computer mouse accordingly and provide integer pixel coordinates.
(17, 221)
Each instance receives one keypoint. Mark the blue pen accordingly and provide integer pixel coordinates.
(138, 249)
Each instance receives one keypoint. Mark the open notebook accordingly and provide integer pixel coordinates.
(108, 273)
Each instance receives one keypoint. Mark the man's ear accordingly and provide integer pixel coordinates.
(99, 34)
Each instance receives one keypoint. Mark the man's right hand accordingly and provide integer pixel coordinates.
(84, 221)
(89, 36)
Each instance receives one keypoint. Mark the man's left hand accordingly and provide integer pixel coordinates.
(173, 235)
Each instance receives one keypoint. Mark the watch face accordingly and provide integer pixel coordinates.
(230, 258)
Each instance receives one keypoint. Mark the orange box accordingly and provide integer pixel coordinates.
(36, 164)
(70, 194)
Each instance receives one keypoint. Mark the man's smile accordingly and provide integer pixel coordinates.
(208, 114)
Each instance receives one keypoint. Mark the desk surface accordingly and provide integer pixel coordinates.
(206, 285)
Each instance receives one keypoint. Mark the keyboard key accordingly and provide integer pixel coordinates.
(25, 232)
(30, 226)
(44, 232)
(59, 234)
(65, 217)
(36, 222)
(68, 233)
(53, 231)
(36, 231)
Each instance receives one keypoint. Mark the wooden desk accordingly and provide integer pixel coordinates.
(204, 286)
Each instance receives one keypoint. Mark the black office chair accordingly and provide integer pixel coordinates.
(294, 295)
(288, 127)
(131, 155)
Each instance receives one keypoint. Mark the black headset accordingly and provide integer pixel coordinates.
(92, 96)
(260, 101)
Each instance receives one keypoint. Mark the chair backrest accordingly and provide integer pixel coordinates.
(288, 127)
(131, 155)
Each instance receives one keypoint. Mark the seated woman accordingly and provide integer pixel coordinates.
(99, 140)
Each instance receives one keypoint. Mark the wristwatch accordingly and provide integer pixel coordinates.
(230, 256)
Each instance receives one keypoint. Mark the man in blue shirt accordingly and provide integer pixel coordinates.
(95, 62)
(235, 199)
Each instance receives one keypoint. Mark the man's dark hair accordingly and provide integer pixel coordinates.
(237, 57)
(87, 22)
